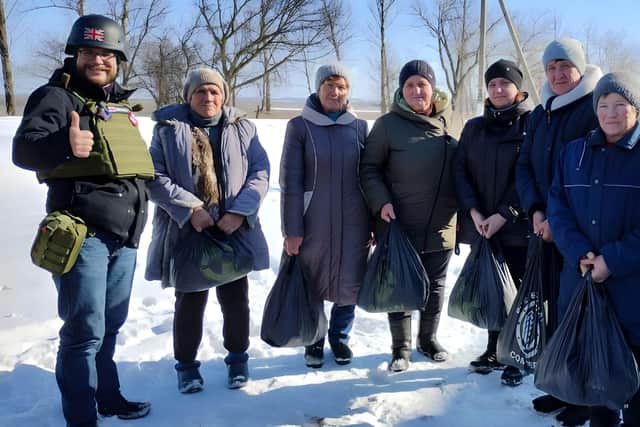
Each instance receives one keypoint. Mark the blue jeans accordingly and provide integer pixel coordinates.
(93, 302)
(341, 323)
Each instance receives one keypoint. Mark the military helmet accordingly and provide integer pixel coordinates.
(97, 31)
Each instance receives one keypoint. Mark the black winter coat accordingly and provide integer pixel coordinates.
(407, 161)
(117, 206)
(554, 123)
(484, 170)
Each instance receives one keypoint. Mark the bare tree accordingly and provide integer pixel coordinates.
(337, 23)
(164, 67)
(241, 29)
(138, 20)
(454, 27)
(611, 50)
(76, 6)
(381, 15)
(9, 98)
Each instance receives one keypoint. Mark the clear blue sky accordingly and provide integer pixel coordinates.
(408, 41)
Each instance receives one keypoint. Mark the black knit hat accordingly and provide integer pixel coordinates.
(505, 69)
(417, 67)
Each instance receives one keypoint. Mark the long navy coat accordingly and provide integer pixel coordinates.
(322, 200)
(594, 205)
(555, 122)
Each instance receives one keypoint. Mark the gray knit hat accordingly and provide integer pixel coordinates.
(568, 49)
(201, 76)
(417, 67)
(326, 71)
(625, 84)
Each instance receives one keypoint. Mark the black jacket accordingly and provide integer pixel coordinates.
(117, 206)
(484, 170)
(407, 162)
(554, 123)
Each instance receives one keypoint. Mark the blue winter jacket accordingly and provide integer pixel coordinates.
(245, 181)
(594, 205)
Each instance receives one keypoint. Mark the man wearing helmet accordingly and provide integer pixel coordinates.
(80, 136)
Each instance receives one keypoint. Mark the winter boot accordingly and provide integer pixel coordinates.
(574, 415)
(601, 416)
(314, 355)
(341, 353)
(485, 363)
(238, 375)
(432, 349)
(400, 327)
(189, 378)
(511, 376)
(547, 404)
(399, 361)
(124, 409)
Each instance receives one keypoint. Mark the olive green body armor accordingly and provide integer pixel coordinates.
(118, 148)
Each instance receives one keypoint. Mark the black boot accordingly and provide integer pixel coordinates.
(487, 361)
(547, 404)
(124, 409)
(602, 416)
(314, 355)
(511, 376)
(189, 378)
(400, 327)
(574, 415)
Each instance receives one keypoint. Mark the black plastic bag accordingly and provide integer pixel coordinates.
(395, 279)
(207, 259)
(293, 316)
(588, 361)
(484, 290)
(523, 336)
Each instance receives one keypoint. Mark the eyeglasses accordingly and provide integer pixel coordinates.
(105, 55)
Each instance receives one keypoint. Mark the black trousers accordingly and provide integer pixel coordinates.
(436, 264)
(605, 417)
(516, 259)
(188, 319)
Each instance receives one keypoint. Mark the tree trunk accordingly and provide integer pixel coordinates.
(267, 92)
(9, 99)
(126, 69)
(383, 69)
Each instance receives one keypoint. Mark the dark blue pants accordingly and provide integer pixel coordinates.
(340, 324)
(93, 302)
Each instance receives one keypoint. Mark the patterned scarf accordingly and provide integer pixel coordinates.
(203, 165)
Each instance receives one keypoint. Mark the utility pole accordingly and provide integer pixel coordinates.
(481, 53)
(516, 43)
(523, 61)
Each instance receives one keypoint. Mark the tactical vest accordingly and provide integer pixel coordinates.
(118, 148)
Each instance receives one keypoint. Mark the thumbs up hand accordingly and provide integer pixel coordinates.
(81, 141)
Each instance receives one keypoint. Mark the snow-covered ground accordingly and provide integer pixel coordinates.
(282, 391)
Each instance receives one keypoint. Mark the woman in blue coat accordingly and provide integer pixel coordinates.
(594, 214)
(212, 173)
(324, 215)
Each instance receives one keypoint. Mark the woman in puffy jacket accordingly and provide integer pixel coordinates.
(484, 169)
(406, 176)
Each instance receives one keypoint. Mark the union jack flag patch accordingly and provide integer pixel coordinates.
(94, 34)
